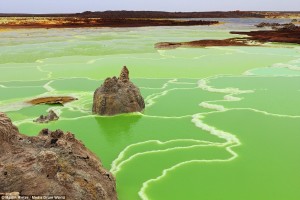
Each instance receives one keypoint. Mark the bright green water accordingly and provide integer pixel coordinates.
(220, 123)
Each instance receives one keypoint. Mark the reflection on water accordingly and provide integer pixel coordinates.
(118, 127)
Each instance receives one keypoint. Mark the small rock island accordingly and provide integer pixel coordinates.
(118, 95)
(52, 116)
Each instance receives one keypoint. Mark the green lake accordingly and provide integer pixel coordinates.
(220, 123)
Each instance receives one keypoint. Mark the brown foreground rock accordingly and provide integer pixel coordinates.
(118, 95)
(52, 163)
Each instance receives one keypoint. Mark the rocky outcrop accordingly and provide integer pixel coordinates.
(286, 34)
(288, 27)
(202, 43)
(78, 22)
(277, 26)
(266, 24)
(52, 163)
(52, 116)
(8, 132)
(118, 95)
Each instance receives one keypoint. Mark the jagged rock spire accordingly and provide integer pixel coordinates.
(124, 76)
(118, 95)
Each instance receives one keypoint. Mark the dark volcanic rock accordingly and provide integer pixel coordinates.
(288, 27)
(52, 163)
(286, 34)
(52, 116)
(202, 43)
(77, 22)
(277, 26)
(118, 95)
(266, 24)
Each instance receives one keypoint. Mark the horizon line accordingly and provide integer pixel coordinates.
(19, 13)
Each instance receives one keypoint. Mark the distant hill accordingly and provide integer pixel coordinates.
(161, 14)
(146, 14)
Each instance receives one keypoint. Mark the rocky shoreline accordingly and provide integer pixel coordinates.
(129, 18)
(283, 33)
(52, 163)
(202, 43)
(82, 22)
